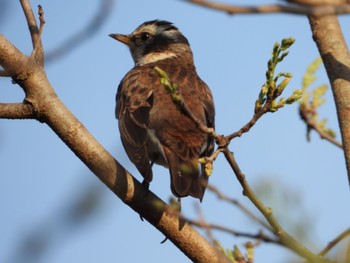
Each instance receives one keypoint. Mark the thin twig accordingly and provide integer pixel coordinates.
(335, 241)
(251, 123)
(235, 202)
(38, 43)
(312, 125)
(201, 217)
(283, 237)
(202, 224)
(32, 25)
(260, 235)
(296, 9)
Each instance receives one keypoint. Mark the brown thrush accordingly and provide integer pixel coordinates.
(152, 128)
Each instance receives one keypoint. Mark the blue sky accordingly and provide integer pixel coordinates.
(40, 176)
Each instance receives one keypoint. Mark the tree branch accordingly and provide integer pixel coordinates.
(16, 111)
(283, 237)
(259, 236)
(235, 202)
(31, 21)
(35, 33)
(296, 9)
(327, 34)
(312, 125)
(38, 44)
(335, 241)
(251, 123)
(13, 62)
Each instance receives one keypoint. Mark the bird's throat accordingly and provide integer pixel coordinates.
(155, 56)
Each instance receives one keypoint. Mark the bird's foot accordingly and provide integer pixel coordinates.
(145, 186)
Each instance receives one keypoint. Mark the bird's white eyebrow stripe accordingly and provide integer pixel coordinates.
(155, 56)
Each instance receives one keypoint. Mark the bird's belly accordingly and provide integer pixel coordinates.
(154, 149)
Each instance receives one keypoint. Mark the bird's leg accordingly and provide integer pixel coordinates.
(145, 186)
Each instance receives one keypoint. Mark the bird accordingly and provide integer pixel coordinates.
(153, 129)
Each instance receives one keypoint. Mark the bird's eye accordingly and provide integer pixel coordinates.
(145, 36)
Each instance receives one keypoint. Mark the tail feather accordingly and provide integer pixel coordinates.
(186, 176)
(199, 185)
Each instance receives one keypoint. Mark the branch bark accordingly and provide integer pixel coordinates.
(336, 57)
(16, 111)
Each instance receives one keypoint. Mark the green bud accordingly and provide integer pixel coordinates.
(322, 124)
(250, 251)
(237, 253)
(258, 106)
(287, 43)
(282, 86)
(161, 72)
(273, 106)
(281, 103)
(208, 168)
(271, 90)
(297, 94)
(284, 54)
(275, 49)
(263, 91)
(330, 132)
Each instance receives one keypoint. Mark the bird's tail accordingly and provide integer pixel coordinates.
(187, 177)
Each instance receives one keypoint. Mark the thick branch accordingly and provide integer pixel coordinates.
(320, 10)
(336, 58)
(12, 60)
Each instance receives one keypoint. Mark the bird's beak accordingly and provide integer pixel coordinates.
(122, 38)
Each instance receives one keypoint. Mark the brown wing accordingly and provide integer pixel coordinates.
(183, 143)
(133, 103)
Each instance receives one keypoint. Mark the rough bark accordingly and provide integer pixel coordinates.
(335, 55)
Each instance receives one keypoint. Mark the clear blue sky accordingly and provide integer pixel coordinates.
(40, 177)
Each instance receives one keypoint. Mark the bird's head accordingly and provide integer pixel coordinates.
(155, 40)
